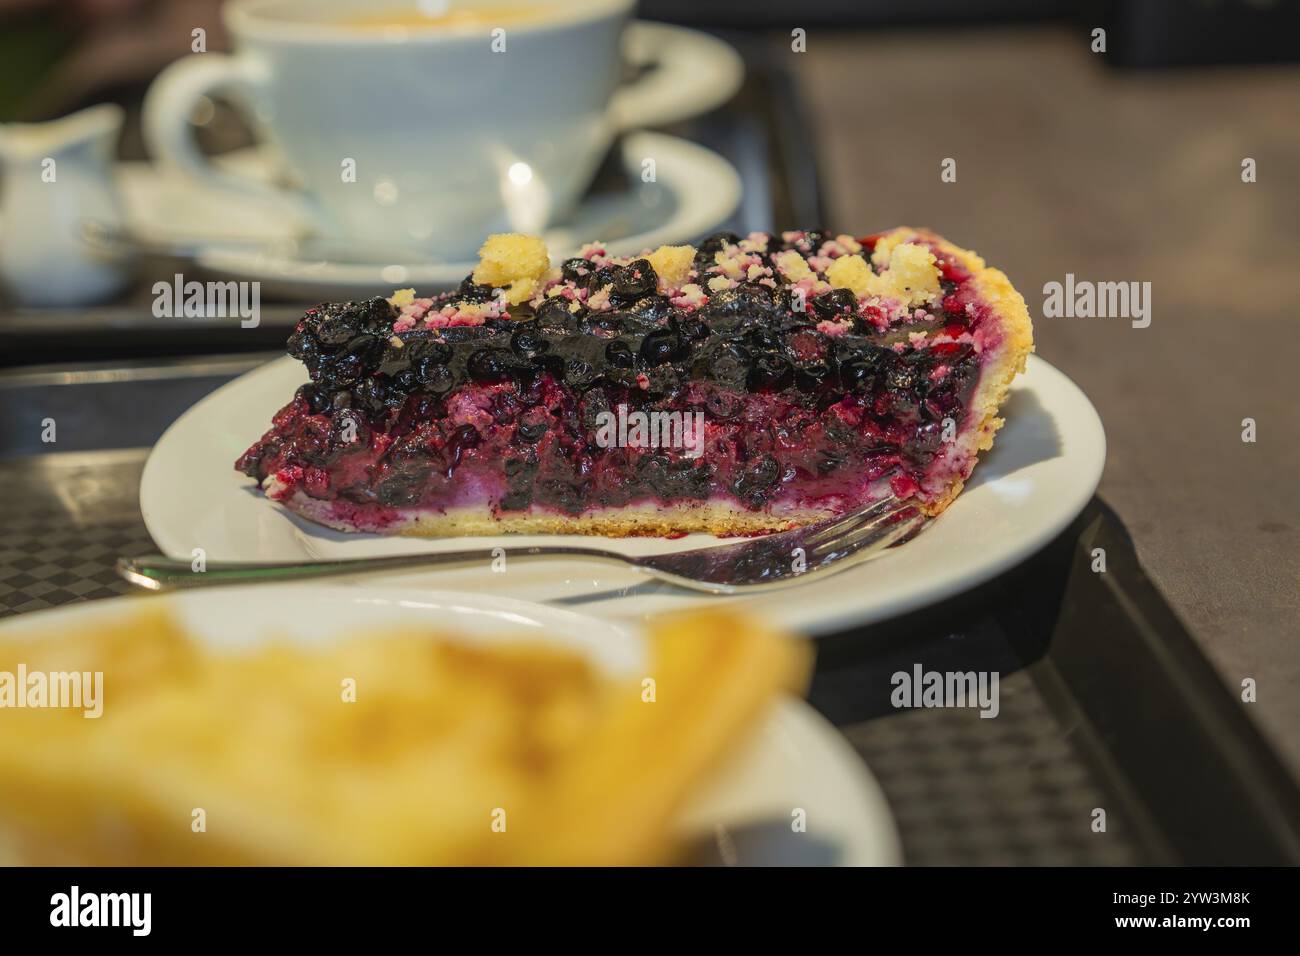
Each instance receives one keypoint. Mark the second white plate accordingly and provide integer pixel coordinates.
(1042, 470)
(792, 759)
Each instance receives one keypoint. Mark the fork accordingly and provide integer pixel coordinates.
(756, 564)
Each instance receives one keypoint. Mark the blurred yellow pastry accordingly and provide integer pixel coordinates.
(396, 748)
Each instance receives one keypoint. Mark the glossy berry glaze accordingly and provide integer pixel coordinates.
(463, 401)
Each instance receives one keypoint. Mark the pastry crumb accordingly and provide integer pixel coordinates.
(913, 274)
(853, 273)
(513, 262)
(672, 264)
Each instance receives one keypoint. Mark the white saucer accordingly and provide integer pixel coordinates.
(1043, 469)
(695, 191)
(793, 758)
(691, 73)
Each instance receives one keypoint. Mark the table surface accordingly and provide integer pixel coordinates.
(1066, 166)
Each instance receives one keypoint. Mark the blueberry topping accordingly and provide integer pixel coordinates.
(835, 304)
(809, 375)
(633, 281)
(707, 250)
(301, 344)
(602, 277)
(491, 365)
(652, 307)
(770, 372)
(394, 360)
(662, 346)
(595, 405)
(375, 395)
(643, 351)
(437, 379)
(335, 330)
(471, 292)
(532, 425)
(720, 406)
(315, 400)
(756, 481)
(855, 374)
(528, 341)
(554, 316)
(718, 241)
(619, 354)
(633, 323)
(749, 299)
(424, 350)
(579, 373)
(576, 270)
(401, 488)
(729, 365)
(763, 339)
(462, 439)
(349, 432)
(600, 323)
(693, 330)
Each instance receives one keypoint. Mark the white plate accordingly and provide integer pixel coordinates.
(694, 192)
(1044, 467)
(793, 759)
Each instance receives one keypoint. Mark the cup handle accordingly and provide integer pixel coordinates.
(168, 106)
(690, 73)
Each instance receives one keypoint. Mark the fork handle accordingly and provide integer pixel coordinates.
(157, 572)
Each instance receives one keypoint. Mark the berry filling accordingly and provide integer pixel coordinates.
(812, 393)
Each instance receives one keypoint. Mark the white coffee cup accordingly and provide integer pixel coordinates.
(427, 137)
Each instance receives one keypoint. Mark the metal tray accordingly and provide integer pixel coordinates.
(1105, 700)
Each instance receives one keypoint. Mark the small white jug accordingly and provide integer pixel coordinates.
(54, 177)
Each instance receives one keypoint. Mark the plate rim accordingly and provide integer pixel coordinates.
(728, 69)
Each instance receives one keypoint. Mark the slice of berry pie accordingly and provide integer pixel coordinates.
(745, 386)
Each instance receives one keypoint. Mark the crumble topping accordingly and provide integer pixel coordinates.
(894, 279)
(514, 262)
(853, 273)
(911, 276)
(792, 265)
(883, 249)
(914, 273)
(842, 245)
(690, 296)
(673, 265)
